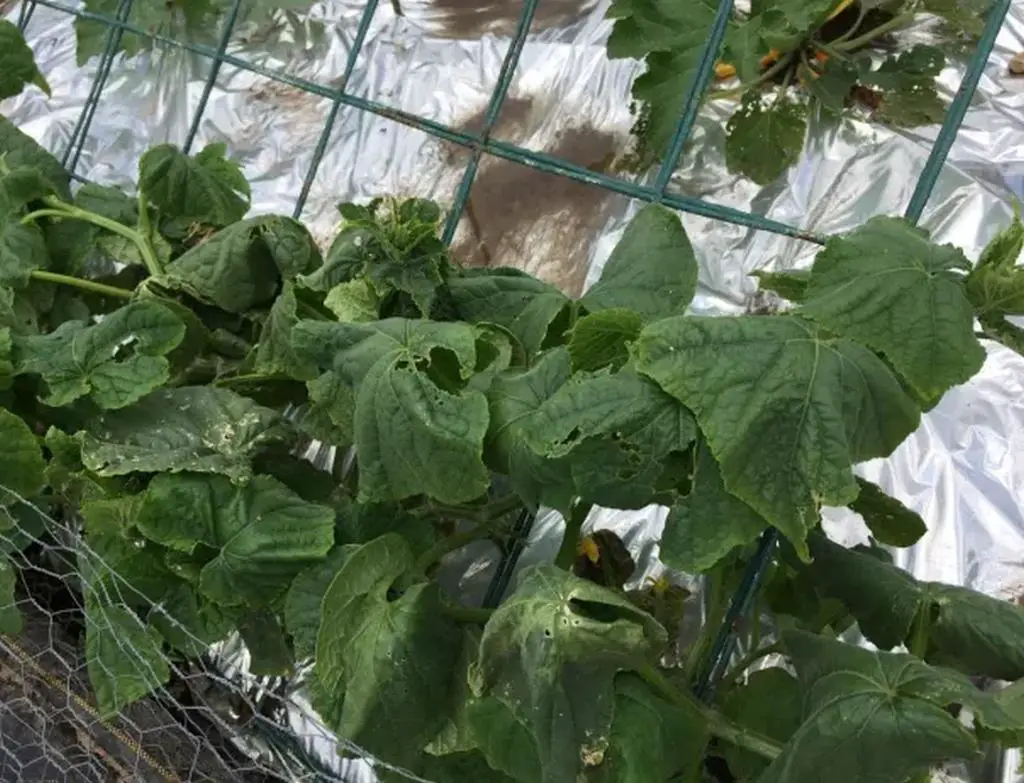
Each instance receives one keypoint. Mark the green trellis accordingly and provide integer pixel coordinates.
(481, 143)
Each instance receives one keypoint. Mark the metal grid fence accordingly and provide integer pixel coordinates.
(653, 190)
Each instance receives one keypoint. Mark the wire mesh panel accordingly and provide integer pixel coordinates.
(41, 669)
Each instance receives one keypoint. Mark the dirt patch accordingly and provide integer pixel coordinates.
(475, 18)
(522, 217)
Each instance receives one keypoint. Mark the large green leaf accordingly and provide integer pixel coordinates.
(616, 431)
(22, 251)
(384, 667)
(21, 150)
(302, 603)
(274, 352)
(550, 654)
(208, 188)
(786, 409)
(602, 339)
(116, 361)
(886, 285)
(241, 266)
(10, 615)
(193, 428)
(259, 535)
(768, 703)
(17, 63)
(652, 270)
(515, 397)
(891, 523)
(418, 428)
(22, 467)
(704, 526)
(652, 740)
(967, 630)
(123, 657)
(765, 140)
(873, 715)
(524, 305)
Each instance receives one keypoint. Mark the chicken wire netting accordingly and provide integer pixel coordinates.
(332, 101)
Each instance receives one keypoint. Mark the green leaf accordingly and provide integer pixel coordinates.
(242, 266)
(969, 631)
(17, 63)
(995, 287)
(274, 352)
(302, 603)
(790, 284)
(116, 361)
(786, 410)
(268, 649)
(764, 141)
(330, 414)
(832, 86)
(785, 23)
(1011, 700)
(615, 430)
(207, 189)
(770, 704)
(189, 622)
(707, 524)
(21, 460)
(261, 534)
(652, 270)
(527, 307)
(454, 768)
(346, 259)
(21, 150)
(22, 251)
(907, 84)
(123, 657)
(887, 286)
(602, 339)
(514, 398)
(651, 739)
(353, 302)
(418, 430)
(195, 16)
(550, 654)
(872, 715)
(891, 523)
(10, 615)
(383, 667)
(193, 428)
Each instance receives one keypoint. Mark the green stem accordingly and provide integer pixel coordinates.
(861, 16)
(84, 285)
(249, 378)
(861, 40)
(486, 513)
(567, 552)
(146, 232)
(466, 614)
(716, 608)
(718, 725)
(454, 542)
(747, 661)
(919, 641)
(773, 71)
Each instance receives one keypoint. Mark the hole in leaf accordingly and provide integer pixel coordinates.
(597, 611)
(125, 349)
(443, 369)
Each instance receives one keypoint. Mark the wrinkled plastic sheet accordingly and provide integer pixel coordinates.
(963, 470)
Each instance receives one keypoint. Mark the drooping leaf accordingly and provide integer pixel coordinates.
(193, 428)
(527, 307)
(22, 467)
(873, 715)
(550, 654)
(966, 630)
(764, 141)
(116, 361)
(10, 615)
(768, 703)
(242, 266)
(651, 739)
(261, 534)
(17, 63)
(418, 429)
(602, 339)
(786, 410)
(790, 284)
(268, 649)
(123, 657)
(615, 430)
(383, 667)
(704, 526)
(886, 285)
(21, 150)
(22, 251)
(302, 603)
(652, 270)
(515, 397)
(890, 522)
(207, 188)
(274, 352)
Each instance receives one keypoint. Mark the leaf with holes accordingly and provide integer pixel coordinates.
(764, 141)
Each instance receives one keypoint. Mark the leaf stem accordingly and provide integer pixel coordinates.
(146, 232)
(466, 614)
(747, 661)
(897, 21)
(567, 552)
(480, 514)
(919, 641)
(718, 725)
(248, 378)
(84, 285)
(715, 616)
(484, 529)
(777, 68)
